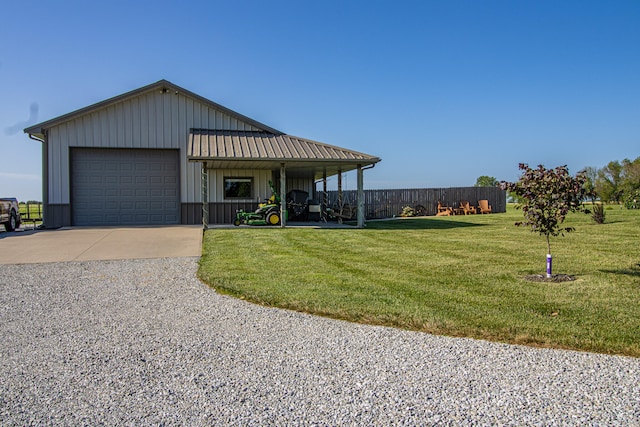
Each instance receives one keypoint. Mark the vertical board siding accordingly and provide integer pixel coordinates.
(143, 142)
(261, 189)
(149, 120)
(121, 124)
(190, 183)
(97, 129)
(260, 177)
(225, 213)
(153, 123)
(58, 159)
(380, 204)
(303, 185)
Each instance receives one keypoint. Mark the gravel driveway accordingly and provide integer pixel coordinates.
(144, 342)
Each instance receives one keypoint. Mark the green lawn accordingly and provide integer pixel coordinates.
(34, 212)
(457, 276)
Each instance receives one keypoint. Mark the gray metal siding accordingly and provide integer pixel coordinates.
(150, 120)
(303, 185)
(56, 216)
(261, 179)
(124, 186)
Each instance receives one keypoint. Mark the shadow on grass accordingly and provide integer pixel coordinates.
(633, 271)
(608, 221)
(418, 224)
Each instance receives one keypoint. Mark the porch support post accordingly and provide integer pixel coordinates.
(204, 178)
(360, 223)
(283, 195)
(340, 196)
(324, 203)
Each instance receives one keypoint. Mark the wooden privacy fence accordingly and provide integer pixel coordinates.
(380, 204)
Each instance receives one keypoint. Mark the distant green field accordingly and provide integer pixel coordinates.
(31, 211)
(457, 276)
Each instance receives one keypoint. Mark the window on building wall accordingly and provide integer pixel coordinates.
(238, 188)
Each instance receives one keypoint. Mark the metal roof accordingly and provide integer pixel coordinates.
(164, 85)
(228, 149)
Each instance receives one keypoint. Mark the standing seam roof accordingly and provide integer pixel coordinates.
(252, 145)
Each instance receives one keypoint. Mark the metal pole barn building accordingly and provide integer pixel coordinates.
(161, 154)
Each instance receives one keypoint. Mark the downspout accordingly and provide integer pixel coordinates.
(45, 175)
(360, 195)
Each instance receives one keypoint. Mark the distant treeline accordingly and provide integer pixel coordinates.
(617, 182)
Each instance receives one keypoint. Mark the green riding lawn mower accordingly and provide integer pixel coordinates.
(268, 213)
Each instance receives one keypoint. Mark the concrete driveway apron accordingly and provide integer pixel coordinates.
(100, 243)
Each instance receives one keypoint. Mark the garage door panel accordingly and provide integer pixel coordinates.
(124, 186)
(127, 219)
(112, 218)
(168, 166)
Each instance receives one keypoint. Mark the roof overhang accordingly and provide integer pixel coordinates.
(310, 169)
(304, 158)
(164, 86)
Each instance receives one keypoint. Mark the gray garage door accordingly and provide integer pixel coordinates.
(124, 187)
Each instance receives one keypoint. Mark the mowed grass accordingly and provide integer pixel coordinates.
(459, 276)
(34, 211)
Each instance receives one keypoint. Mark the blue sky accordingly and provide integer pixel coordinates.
(442, 91)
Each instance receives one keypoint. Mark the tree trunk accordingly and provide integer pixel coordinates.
(549, 259)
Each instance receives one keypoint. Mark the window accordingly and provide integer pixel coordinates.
(238, 188)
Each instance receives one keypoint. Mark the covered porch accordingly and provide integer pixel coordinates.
(286, 157)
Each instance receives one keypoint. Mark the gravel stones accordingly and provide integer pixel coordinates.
(144, 342)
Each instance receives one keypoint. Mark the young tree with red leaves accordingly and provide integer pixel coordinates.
(547, 196)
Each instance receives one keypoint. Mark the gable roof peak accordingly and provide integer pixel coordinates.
(165, 86)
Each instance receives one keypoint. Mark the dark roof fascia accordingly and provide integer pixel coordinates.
(363, 162)
(38, 129)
